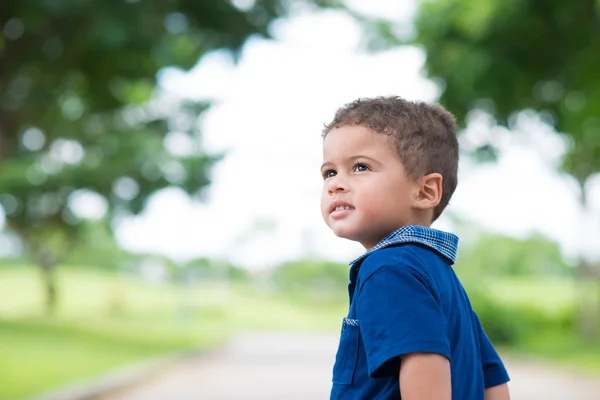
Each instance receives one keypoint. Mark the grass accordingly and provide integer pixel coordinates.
(565, 349)
(39, 355)
(105, 321)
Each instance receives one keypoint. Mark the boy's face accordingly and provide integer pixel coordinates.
(366, 193)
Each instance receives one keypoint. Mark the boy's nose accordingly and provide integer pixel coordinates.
(336, 186)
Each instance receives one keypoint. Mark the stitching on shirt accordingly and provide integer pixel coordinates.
(350, 321)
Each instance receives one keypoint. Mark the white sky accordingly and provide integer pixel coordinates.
(264, 203)
(263, 206)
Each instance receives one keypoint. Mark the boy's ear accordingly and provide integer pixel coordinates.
(429, 191)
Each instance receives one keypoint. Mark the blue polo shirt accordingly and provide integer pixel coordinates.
(406, 298)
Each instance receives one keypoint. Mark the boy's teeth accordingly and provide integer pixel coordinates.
(339, 208)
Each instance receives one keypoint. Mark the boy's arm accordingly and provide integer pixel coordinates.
(426, 376)
(499, 392)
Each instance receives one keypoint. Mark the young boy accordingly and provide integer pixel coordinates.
(389, 170)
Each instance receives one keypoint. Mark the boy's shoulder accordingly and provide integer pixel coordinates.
(412, 247)
(406, 255)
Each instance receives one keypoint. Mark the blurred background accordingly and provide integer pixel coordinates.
(159, 170)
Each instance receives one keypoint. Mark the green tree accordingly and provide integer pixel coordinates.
(504, 57)
(80, 111)
(97, 248)
(319, 279)
(213, 269)
(494, 256)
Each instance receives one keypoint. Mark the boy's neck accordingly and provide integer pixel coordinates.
(369, 246)
(420, 218)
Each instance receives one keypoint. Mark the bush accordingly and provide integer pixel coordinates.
(511, 324)
(312, 278)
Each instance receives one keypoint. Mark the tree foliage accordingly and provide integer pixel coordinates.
(80, 112)
(508, 56)
(505, 56)
(494, 256)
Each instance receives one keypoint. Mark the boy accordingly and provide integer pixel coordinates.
(389, 170)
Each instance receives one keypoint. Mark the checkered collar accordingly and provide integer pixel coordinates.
(443, 243)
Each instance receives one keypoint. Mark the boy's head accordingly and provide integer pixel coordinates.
(388, 163)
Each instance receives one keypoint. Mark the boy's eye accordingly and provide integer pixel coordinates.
(361, 167)
(328, 173)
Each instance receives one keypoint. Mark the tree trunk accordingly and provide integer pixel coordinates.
(50, 289)
(588, 303)
(588, 286)
(47, 267)
(46, 258)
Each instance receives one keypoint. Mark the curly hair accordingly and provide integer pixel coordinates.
(424, 134)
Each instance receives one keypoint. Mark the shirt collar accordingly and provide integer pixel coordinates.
(443, 243)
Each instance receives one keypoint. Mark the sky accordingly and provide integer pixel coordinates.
(268, 112)
(263, 207)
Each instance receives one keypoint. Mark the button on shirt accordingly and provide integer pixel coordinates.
(406, 298)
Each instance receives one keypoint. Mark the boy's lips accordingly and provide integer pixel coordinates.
(339, 209)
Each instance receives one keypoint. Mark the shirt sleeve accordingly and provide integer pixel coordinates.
(494, 372)
(399, 314)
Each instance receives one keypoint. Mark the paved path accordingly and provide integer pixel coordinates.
(298, 367)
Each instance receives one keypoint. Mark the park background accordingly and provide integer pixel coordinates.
(159, 170)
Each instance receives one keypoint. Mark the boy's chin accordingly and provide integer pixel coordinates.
(346, 234)
(366, 241)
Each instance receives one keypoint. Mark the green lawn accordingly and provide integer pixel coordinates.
(564, 349)
(38, 355)
(105, 321)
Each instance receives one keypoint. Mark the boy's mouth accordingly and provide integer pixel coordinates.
(339, 209)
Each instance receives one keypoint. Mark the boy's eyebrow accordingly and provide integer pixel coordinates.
(326, 163)
(367, 157)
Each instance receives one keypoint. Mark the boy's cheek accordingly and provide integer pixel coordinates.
(370, 203)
